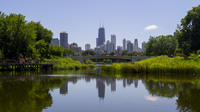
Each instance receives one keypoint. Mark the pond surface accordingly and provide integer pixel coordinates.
(92, 92)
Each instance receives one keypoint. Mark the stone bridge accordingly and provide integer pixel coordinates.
(113, 58)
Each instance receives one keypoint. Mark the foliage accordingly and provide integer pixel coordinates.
(160, 64)
(15, 35)
(188, 32)
(108, 61)
(134, 53)
(20, 38)
(124, 52)
(66, 64)
(88, 53)
(55, 50)
(89, 61)
(161, 45)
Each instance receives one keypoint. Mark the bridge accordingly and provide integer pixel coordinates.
(113, 58)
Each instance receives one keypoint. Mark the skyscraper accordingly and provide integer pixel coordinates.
(87, 46)
(143, 46)
(101, 37)
(129, 46)
(64, 39)
(124, 44)
(109, 47)
(55, 41)
(135, 45)
(113, 41)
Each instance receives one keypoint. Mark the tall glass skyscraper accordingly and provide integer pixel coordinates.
(101, 37)
(64, 39)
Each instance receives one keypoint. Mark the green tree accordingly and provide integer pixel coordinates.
(88, 52)
(55, 50)
(124, 53)
(15, 35)
(161, 45)
(42, 48)
(41, 32)
(188, 33)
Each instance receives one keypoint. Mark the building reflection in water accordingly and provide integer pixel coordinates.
(101, 84)
(101, 88)
(64, 88)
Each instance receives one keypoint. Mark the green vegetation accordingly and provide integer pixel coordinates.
(188, 32)
(88, 53)
(161, 45)
(21, 38)
(160, 64)
(67, 64)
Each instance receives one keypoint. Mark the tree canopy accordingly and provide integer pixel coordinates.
(21, 38)
(161, 45)
(188, 33)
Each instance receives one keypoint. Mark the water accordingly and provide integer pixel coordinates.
(91, 92)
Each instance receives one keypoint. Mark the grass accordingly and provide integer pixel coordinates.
(67, 64)
(160, 64)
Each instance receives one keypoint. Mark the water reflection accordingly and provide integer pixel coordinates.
(33, 92)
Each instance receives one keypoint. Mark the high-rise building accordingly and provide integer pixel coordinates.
(143, 46)
(101, 37)
(119, 50)
(129, 46)
(124, 44)
(135, 45)
(64, 39)
(75, 47)
(87, 47)
(109, 47)
(55, 41)
(113, 41)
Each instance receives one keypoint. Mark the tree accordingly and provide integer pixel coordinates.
(124, 53)
(55, 50)
(20, 38)
(188, 33)
(15, 35)
(88, 52)
(41, 32)
(161, 45)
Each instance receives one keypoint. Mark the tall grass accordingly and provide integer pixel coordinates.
(66, 64)
(160, 64)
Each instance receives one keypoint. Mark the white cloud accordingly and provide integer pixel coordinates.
(151, 98)
(151, 27)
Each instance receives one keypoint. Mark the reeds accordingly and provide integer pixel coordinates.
(160, 64)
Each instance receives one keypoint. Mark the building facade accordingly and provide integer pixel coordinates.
(143, 46)
(101, 37)
(113, 41)
(129, 46)
(55, 41)
(135, 45)
(124, 44)
(64, 39)
(87, 47)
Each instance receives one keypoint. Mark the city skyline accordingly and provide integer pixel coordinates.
(126, 19)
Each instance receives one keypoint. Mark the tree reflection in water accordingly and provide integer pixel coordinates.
(32, 92)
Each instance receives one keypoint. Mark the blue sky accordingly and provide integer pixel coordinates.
(82, 18)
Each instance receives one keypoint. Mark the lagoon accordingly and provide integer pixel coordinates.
(97, 92)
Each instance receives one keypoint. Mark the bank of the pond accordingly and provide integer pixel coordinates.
(67, 64)
(160, 64)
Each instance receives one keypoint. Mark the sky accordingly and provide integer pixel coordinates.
(81, 19)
